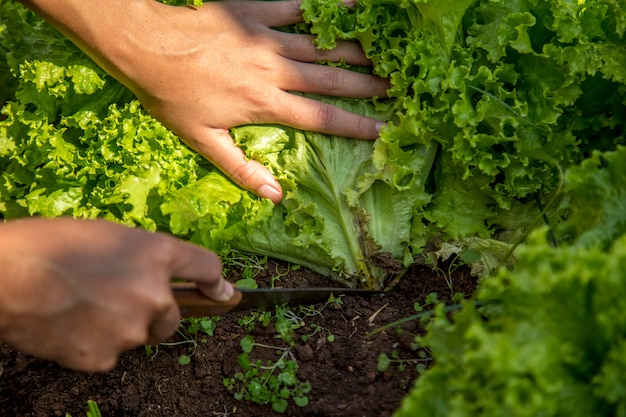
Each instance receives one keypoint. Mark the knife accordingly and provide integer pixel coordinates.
(193, 303)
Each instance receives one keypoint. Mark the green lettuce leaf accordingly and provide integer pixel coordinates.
(597, 200)
(346, 218)
(489, 102)
(548, 340)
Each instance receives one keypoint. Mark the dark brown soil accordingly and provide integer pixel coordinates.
(343, 373)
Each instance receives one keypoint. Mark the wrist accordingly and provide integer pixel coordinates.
(109, 31)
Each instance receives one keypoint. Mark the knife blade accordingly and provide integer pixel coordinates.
(193, 303)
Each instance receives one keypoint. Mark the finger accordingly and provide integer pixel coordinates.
(278, 13)
(301, 48)
(163, 325)
(332, 81)
(282, 13)
(218, 147)
(76, 360)
(194, 263)
(316, 116)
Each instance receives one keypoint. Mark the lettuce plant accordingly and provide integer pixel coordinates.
(490, 102)
(547, 341)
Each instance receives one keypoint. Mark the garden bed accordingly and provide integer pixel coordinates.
(343, 369)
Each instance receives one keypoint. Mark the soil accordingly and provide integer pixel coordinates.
(343, 373)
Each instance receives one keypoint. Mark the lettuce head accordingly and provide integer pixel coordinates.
(489, 102)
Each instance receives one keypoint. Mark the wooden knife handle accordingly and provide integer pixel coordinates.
(193, 303)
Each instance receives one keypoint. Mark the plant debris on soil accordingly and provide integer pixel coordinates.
(343, 372)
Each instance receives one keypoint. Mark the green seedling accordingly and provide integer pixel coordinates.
(250, 265)
(269, 382)
(316, 330)
(425, 316)
(384, 361)
(278, 275)
(287, 320)
(193, 330)
(275, 382)
(249, 321)
(92, 410)
(459, 259)
(247, 264)
(432, 299)
(247, 283)
(286, 324)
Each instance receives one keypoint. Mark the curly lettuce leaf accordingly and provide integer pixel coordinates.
(513, 93)
(338, 212)
(597, 200)
(489, 102)
(548, 340)
(343, 217)
(75, 142)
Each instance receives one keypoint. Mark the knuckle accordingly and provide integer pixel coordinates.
(321, 54)
(327, 116)
(293, 6)
(364, 128)
(246, 172)
(160, 301)
(262, 106)
(380, 85)
(163, 250)
(333, 79)
(86, 356)
(361, 124)
(97, 365)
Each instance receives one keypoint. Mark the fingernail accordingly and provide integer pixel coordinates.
(227, 292)
(378, 126)
(349, 3)
(267, 191)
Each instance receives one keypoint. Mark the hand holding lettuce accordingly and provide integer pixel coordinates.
(489, 103)
(202, 70)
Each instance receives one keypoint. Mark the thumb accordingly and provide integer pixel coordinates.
(218, 146)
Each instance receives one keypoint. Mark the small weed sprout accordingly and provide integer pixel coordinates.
(151, 351)
(269, 382)
(193, 330)
(249, 265)
(384, 361)
(275, 382)
(287, 321)
(458, 260)
(318, 329)
(244, 261)
(424, 316)
(249, 321)
(224, 413)
(92, 410)
(278, 275)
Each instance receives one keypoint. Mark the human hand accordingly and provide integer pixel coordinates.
(204, 70)
(81, 292)
(221, 65)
